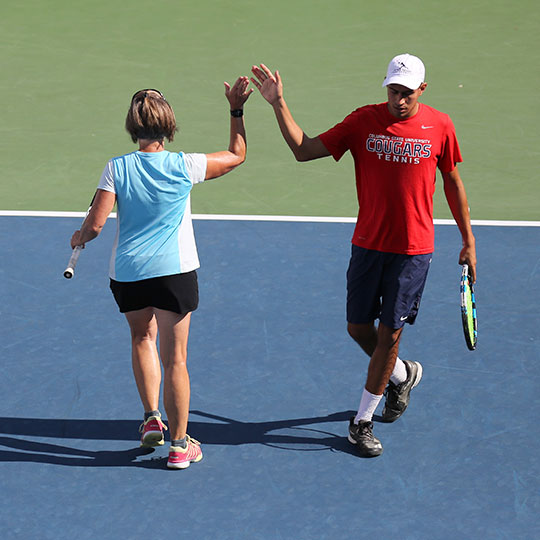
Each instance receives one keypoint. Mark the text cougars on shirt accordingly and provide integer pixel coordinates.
(399, 149)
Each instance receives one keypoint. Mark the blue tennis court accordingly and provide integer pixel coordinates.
(274, 381)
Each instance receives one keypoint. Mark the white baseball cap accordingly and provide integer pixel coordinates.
(407, 70)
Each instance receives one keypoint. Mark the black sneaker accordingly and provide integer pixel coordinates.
(398, 396)
(361, 435)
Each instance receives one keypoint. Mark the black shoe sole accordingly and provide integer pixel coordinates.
(384, 420)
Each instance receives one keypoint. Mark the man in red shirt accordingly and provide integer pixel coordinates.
(397, 147)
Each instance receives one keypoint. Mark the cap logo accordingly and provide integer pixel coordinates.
(401, 67)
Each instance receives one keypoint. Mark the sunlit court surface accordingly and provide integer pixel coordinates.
(275, 379)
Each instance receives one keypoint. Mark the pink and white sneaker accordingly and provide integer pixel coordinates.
(181, 458)
(152, 431)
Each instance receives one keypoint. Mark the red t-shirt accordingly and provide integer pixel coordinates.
(395, 165)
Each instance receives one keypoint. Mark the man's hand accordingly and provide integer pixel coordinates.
(468, 256)
(269, 84)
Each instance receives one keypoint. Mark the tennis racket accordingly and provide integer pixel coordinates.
(468, 308)
(72, 263)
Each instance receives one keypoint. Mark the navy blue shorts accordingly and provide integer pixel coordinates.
(385, 286)
(178, 293)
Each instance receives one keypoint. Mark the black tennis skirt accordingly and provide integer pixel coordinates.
(178, 293)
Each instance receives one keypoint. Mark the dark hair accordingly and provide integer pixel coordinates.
(150, 117)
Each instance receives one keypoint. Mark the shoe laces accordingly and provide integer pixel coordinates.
(368, 426)
(194, 441)
(189, 441)
(365, 429)
(392, 390)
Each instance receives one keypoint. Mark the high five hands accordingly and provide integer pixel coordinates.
(268, 83)
(239, 93)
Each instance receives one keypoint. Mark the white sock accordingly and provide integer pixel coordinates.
(399, 374)
(367, 407)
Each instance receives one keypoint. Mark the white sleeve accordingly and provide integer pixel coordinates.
(107, 178)
(196, 166)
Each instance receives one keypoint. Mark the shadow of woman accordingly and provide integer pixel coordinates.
(299, 434)
(54, 454)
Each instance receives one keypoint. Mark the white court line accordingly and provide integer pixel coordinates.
(303, 219)
(321, 219)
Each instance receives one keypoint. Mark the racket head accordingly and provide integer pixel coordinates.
(468, 309)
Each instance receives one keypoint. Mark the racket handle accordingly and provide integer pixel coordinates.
(70, 270)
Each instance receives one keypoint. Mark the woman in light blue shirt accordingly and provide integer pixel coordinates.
(154, 257)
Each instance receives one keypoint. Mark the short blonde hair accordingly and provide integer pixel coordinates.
(150, 117)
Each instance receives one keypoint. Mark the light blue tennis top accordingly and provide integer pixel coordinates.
(154, 234)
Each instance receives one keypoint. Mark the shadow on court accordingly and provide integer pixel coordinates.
(38, 452)
(228, 432)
